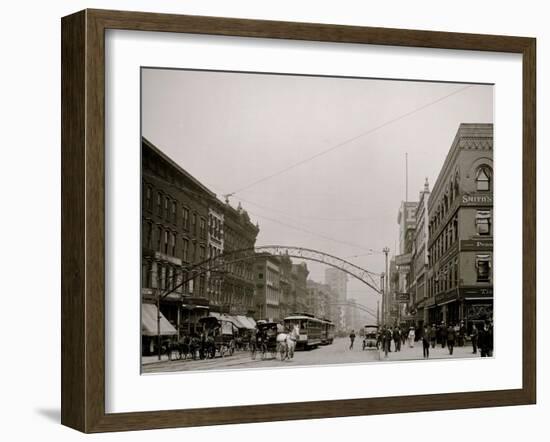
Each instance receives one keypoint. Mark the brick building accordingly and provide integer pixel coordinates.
(175, 210)
(460, 210)
(183, 225)
(238, 284)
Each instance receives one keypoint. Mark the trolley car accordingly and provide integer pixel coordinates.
(310, 329)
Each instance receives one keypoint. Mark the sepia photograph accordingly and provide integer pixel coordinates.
(298, 220)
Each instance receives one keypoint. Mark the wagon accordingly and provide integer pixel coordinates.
(219, 336)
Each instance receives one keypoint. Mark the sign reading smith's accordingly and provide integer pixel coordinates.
(477, 199)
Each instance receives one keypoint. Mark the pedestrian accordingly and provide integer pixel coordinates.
(485, 340)
(404, 336)
(411, 337)
(426, 343)
(433, 335)
(473, 337)
(451, 336)
(387, 341)
(397, 338)
(444, 332)
(351, 338)
(461, 334)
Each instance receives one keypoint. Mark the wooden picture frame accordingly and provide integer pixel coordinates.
(83, 220)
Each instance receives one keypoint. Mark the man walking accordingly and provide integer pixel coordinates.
(351, 338)
(433, 335)
(473, 337)
(387, 341)
(485, 340)
(426, 342)
(444, 332)
(397, 338)
(451, 335)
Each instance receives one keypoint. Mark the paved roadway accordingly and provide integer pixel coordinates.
(337, 353)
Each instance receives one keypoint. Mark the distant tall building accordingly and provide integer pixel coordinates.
(337, 280)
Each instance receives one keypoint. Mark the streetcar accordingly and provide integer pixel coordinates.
(310, 329)
(327, 332)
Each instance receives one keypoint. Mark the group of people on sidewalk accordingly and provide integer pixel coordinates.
(445, 335)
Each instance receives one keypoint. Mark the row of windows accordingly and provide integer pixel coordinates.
(483, 225)
(444, 242)
(447, 277)
(215, 227)
(165, 241)
(483, 182)
(166, 207)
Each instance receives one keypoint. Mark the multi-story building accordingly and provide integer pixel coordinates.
(184, 225)
(353, 318)
(318, 299)
(391, 310)
(238, 283)
(286, 287)
(215, 247)
(406, 219)
(299, 277)
(417, 289)
(337, 280)
(268, 287)
(460, 210)
(175, 210)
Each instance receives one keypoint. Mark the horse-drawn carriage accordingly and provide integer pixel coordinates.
(272, 338)
(218, 336)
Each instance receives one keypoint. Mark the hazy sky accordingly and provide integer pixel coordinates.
(230, 130)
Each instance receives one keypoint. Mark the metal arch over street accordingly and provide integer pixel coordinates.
(219, 263)
(356, 305)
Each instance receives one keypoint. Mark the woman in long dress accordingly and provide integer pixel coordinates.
(411, 337)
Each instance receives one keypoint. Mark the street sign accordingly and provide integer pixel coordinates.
(402, 297)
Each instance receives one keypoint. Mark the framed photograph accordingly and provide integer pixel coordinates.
(267, 221)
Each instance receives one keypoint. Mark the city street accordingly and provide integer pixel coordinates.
(337, 353)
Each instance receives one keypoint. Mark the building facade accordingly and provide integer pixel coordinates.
(418, 289)
(337, 280)
(268, 287)
(175, 210)
(319, 298)
(238, 281)
(183, 226)
(299, 278)
(460, 245)
(402, 297)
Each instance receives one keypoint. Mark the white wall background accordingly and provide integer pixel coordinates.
(30, 215)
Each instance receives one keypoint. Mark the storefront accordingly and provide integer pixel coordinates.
(153, 324)
(477, 306)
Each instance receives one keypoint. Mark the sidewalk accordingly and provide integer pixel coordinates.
(408, 353)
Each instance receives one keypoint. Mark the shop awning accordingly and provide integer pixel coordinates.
(247, 322)
(149, 324)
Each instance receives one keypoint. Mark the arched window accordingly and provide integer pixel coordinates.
(483, 179)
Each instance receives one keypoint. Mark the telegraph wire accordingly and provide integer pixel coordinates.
(302, 229)
(347, 141)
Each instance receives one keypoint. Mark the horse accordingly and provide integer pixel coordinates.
(286, 343)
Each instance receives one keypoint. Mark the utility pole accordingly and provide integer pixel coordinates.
(385, 298)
